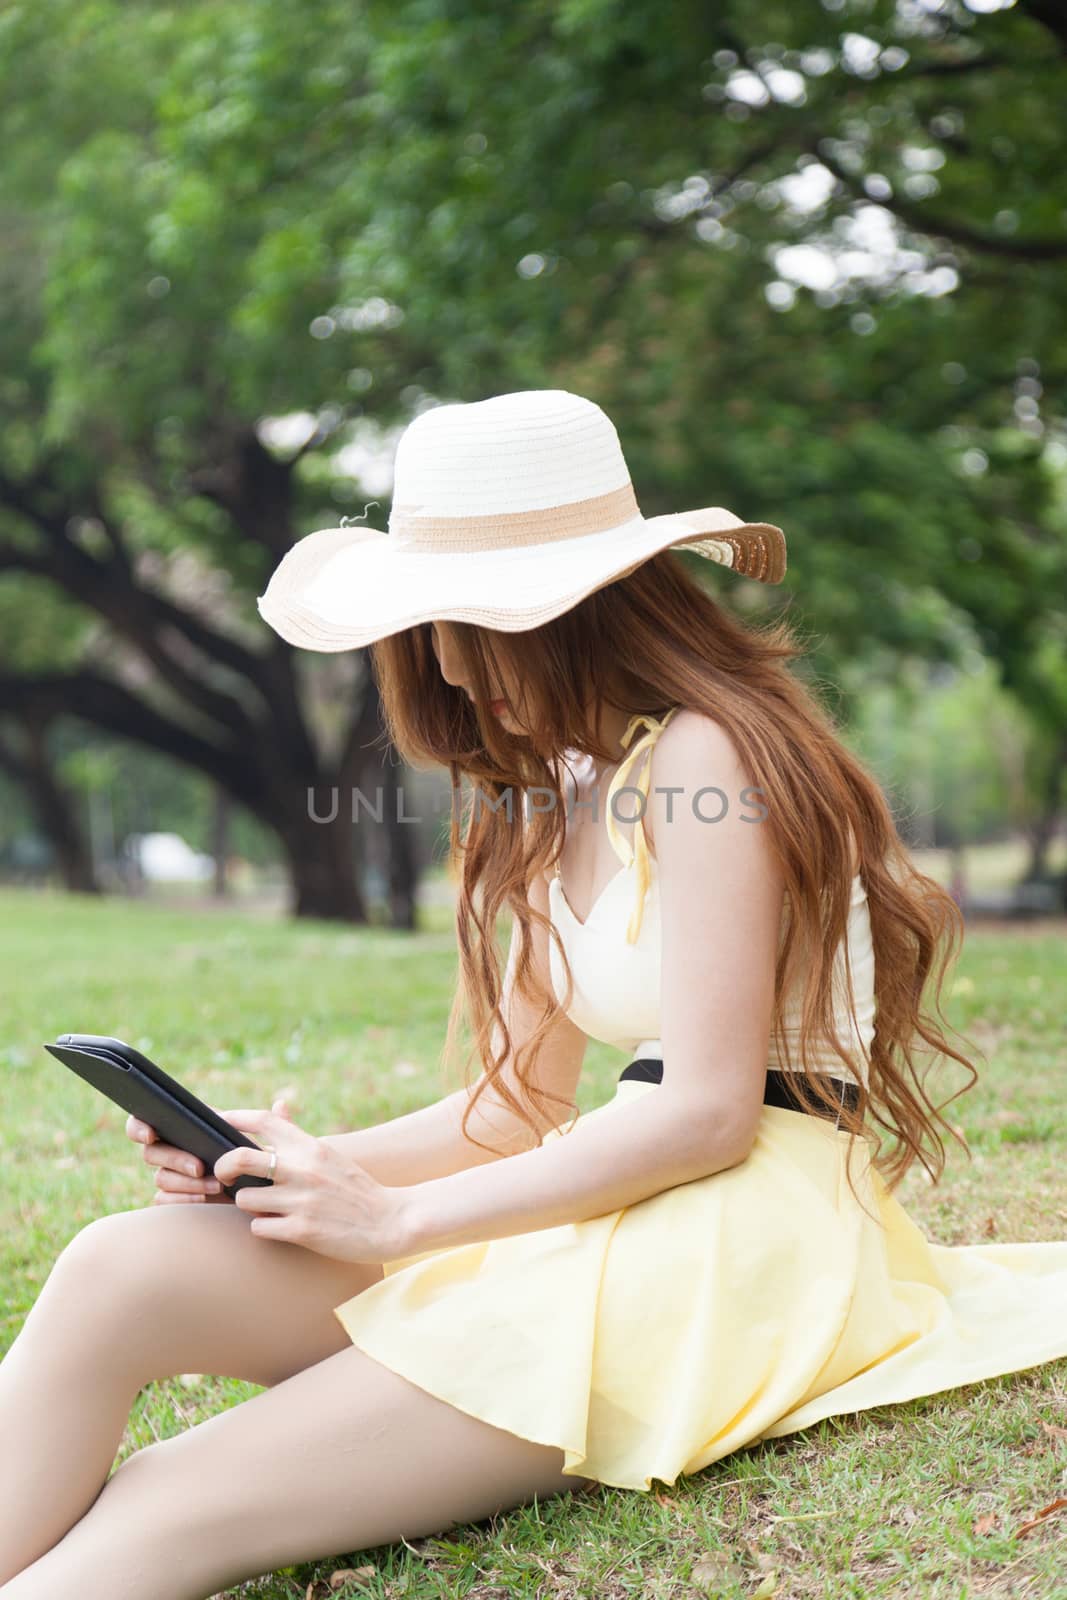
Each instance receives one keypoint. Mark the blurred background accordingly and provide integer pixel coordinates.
(809, 257)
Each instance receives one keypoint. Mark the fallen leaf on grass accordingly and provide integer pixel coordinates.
(1054, 1432)
(986, 1524)
(716, 1569)
(762, 1558)
(1038, 1517)
(337, 1580)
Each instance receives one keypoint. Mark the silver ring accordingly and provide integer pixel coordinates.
(273, 1167)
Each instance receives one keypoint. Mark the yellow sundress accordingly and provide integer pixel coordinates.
(651, 1341)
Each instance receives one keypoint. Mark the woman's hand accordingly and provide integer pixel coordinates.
(319, 1198)
(180, 1177)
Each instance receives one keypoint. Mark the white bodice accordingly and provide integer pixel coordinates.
(614, 955)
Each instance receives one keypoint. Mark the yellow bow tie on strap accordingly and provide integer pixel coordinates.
(640, 844)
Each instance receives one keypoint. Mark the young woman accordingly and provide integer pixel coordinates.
(494, 1298)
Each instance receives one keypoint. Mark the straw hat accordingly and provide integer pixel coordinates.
(506, 513)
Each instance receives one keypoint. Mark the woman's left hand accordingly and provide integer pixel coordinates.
(319, 1198)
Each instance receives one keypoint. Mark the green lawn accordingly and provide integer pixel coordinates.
(915, 1498)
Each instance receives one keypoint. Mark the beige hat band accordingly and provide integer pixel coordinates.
(512, 529)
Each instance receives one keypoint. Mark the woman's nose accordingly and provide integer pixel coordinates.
(448, 663)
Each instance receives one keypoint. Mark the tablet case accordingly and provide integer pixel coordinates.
(139, 1086)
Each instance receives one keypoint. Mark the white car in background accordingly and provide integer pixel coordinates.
(167, 858)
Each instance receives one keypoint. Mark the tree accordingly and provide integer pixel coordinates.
(232, 212)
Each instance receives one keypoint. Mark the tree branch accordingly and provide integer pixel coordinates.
(109, 588)
(111, 706)
(921, 221)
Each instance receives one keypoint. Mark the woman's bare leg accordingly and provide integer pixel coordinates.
(137, 1296)
(344, 1456)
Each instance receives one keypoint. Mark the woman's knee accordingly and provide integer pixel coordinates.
(120, 1262)
(192, 1288)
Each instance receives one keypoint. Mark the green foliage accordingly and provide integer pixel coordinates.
(809, 258)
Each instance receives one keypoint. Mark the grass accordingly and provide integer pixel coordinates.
(920, 1497)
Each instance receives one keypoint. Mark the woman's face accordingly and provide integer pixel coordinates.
(450, 661)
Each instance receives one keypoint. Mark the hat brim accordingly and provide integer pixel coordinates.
(343, 588)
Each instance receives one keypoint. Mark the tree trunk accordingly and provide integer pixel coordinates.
(55, 813)
(402, 868)
(321, 869)
(220, 840)
(1043, 829)
(240, 717)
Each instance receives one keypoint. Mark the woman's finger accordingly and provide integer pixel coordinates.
(179, 1183)
(268, 1128)
(167, 1155)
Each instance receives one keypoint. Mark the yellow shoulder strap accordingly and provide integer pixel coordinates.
(639, 848)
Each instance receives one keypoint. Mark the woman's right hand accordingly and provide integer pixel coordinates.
(180, 1177)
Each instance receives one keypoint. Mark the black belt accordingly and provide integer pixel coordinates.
(777, 1091)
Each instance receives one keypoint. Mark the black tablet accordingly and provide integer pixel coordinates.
(136, 1084)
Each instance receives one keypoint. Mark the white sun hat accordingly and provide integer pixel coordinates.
(506, 513)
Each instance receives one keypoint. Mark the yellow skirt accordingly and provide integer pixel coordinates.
(651, 1341)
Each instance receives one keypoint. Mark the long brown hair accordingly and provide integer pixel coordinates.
(650, 640)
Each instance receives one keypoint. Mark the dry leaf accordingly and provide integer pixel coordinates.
(987, 1523)
(767, 1588)
(715, 1569)
(1039, 1516)
(763, 1559)
(344, 1575)
(990, 1227)
(1054, 1432)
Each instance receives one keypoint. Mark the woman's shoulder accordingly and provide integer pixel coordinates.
(693, 752)
(692, 735)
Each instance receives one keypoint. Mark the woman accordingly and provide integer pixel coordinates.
(493, 1298)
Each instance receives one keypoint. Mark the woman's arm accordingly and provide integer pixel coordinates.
(596, 1167)
(429, 1143)
(721, 892)
(721, 889)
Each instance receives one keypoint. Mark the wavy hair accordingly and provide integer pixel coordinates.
(650, 640)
